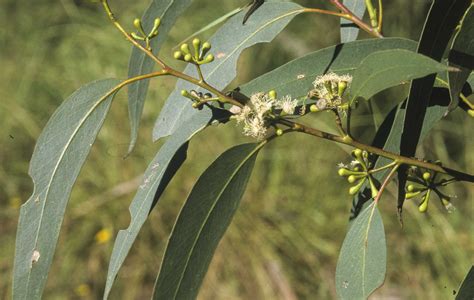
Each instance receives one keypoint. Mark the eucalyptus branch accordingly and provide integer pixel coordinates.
(349, 15)
(165, 68)
(297, 127)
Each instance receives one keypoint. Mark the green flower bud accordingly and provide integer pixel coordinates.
(157, 23)
(344, 172)
(341, 88)
(471, 112)
(178, 55)
(209, 58)
(423, 207)
(272, 94)
(185, 48)
(353, 190)
(412, 195)
(356, 169)
(351, 179)
(188, 57)
(373, 188)
(196, 45)
(410, 188)
(205, 48)
(279, 132)
(426, 176)
(313, 108)
(137, 23)
(185, 93)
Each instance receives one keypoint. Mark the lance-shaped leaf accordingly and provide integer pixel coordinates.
(362, 261)
(440, 24)
(57, 160)
(466, 291)
(389, 68)
(350, 31)
(295, 78)
(158, 174)
(168, 11)
(228, 43)
(202, 222)
(461, 56)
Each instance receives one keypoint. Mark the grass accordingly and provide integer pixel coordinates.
(285, 238)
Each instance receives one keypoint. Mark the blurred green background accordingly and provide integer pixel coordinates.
(285, 238)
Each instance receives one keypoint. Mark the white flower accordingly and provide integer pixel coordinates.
(244, 114)
(287, 105)
(327, 85)
(255, 127)
(261, 103)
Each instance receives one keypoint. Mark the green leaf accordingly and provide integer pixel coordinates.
(203, 221)
(350, 31)
(168, 11)
(57, 159)
(461, 56)
(440, 24)
(466, 291)
(362, 261)
(439, 27)
(389, 68)
(228, 43)
(157, 176)
(295, 78)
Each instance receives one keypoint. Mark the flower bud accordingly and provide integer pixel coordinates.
(185, 48)
(188, 57)
(344, 172)
(137, 23)
(373, 188)
(178, 55)
(272, 94)
(341, 88)
(196, 45)
(209, 58)
(411, 195)
(423, 207)
(279, 132)
(426, 176)
(471, 112)
(185, 93)
(410, 188)
(157, 23)
(206, 46)
(351, 179)
(313, 108)
(353, 190)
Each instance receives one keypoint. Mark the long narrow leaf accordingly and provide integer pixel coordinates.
(57, 160)
(461, 56)
(156, 177)
(202, 222)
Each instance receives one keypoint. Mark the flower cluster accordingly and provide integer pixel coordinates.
(262, 107)
(328, 91)
(359, 171)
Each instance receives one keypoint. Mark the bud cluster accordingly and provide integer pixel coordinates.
(197, 56)
(328, 92)
(141, 35)
(424, 186)
(359, 172)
